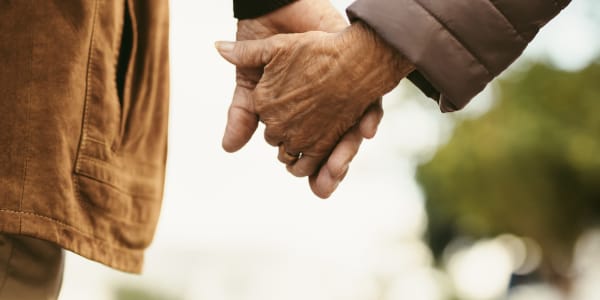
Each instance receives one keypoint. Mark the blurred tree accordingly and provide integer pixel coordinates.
(530, 166)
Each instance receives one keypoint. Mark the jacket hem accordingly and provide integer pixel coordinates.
(70, 238)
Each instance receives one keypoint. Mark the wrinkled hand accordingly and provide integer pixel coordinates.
(315, 88)
(300, 16)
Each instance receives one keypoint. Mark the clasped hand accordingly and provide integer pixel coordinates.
(317, 92)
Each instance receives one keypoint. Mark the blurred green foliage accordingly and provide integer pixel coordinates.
(135, 293)
(530, 166)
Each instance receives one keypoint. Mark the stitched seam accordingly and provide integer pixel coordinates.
(88, 235)
(27, 129)
(77, 188)
(89, 205)
(113, 186)
(463, 45)
(131, 158)
(91, 139)
(119, 155)
(84, 121)
(510, 24)
(150, 166)
(87, 86)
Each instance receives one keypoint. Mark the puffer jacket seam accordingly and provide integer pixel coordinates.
(462, 44)
(512, 26)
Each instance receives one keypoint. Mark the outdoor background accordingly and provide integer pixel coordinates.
(499, 201)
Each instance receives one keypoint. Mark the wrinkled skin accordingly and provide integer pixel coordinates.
(316, 94)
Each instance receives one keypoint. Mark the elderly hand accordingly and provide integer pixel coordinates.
(300, 16)
(315, 87)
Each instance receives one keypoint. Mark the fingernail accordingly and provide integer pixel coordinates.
(224, 47)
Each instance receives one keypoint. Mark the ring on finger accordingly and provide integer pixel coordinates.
(288, 158)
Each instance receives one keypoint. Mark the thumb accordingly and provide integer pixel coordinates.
(241, 121)
(247, 54)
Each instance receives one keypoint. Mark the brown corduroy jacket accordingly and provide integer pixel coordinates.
(84, 89)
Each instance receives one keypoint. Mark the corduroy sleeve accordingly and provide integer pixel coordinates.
(248, 9)
(457, 46)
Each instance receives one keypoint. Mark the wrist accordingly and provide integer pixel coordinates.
(372, 66)
(380, 46)
(375, 54)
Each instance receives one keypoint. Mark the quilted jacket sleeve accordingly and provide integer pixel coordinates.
(458, 46)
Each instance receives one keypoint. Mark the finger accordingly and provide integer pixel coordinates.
(343, 153)
(306, 165)
(371, 119)
(324, 183)
(241, 121)
(247, 54)
(286, 157)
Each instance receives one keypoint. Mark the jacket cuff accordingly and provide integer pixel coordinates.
(457, 46)
(445, 70)
(247, 9)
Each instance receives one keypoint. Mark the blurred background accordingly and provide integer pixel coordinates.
(499, 201)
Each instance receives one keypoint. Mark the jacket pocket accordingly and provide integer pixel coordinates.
(110, 177)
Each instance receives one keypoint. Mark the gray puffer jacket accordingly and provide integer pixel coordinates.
(458, 46)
